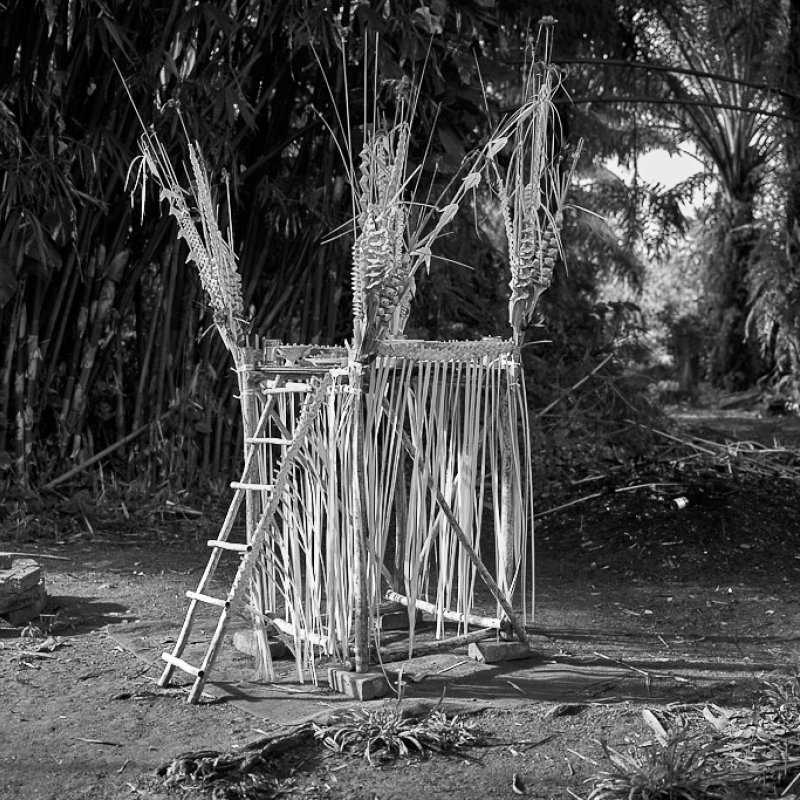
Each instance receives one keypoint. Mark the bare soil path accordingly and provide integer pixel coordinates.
(639, 604)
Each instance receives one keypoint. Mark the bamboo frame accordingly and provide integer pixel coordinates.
(395, 431)
(430, 406)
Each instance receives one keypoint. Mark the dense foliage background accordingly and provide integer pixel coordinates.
(105, 341)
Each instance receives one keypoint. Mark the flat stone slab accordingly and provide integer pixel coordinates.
(496, 652)
(359, 685)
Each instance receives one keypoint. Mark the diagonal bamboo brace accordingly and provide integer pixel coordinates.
(486, 576)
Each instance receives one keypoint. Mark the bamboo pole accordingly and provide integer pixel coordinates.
(428, 648)
(19, 394)
(360, 532)
(452, 616)
(102, 311)
(78, 339)
(506, 567)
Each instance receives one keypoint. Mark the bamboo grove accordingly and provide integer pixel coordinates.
(97, 352)
(345, 445)
(104, 339)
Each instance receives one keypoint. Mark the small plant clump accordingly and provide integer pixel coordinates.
(388, 732)
(680, 768)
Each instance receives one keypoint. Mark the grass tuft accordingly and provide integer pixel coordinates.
(682, 768)
(387, 732)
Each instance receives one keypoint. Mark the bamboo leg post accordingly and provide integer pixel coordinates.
(506, 571)
(251, 424)
(360, 532)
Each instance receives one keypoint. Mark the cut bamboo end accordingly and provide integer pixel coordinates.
(205, 598)
(253, 487)
(183, 665)
(235, 547)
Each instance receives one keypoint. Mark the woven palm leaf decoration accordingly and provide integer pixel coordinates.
(381, 266)
(196, 216)
(532, 188)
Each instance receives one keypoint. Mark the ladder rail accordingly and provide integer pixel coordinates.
(216, 553)
(252, 557)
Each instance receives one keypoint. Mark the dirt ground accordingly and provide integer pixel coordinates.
(642, 602)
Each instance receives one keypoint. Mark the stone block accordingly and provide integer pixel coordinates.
(245, 642)
(360, 686)
(22, 591)
(496, 652)
(22, 574)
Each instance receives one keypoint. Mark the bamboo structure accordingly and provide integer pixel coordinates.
(378, 465)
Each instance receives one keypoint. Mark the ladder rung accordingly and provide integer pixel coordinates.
(259, 487)
(266, 440)
(206, 598)
(223, 545)
(181, 664)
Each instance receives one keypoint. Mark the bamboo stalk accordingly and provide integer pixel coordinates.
(144, 366)
(102, 312)
(19, 395)
(6, 368)
(81, 327)
(394, 654)
(107, 451)
(167, 344)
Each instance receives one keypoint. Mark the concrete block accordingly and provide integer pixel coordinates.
(495, 652)
(245, 642)
(359, 686)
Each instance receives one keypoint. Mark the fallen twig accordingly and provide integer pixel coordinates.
(553, 510)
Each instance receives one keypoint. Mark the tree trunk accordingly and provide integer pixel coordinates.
(734, 361)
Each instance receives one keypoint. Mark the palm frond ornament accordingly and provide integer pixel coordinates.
(532, 187)
(382, 280)
(196, 216)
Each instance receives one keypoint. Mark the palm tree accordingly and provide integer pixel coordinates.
(720, 55)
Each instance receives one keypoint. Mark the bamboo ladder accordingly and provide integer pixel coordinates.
(249, 552)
